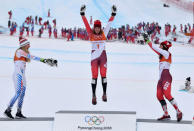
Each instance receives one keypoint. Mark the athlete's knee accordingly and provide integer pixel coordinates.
(94, 81)
(18, 93)
(104, 80)
(103, 73)
(23, 91)
(94, 75)
(160, 97)
(163, 102)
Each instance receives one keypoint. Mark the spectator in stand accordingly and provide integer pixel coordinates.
(69, 36)
(27, 30)
(62, 32)
(144, 26)
(181, 26)
(174, 30)
(36, 20)
(45, 25)
(40, 33)
(32, 21)
(55, 32)
(167, 30)
(49, 12)
(28, 20)
(191, 36)
(120, 34)
(174, 34)
(49, 30)
(157, 40)
(74, 32)
(91, 21)
(40, 20)
(12, 30)
(153, 35)
(21, 31)
(189, 27)
(185, 30)
(9, 23)
(54, 23)
(10, 14)
(32, 30)
(72, 36)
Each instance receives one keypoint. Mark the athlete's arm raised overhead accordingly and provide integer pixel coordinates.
(82, 13)
(159, 50)
(155, 48)
(114, 10)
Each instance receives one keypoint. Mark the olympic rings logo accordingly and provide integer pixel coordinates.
(94, 120)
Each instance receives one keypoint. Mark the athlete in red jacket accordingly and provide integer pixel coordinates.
(97, 37)
(164, 83)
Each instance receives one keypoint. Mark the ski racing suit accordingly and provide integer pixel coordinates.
(165, 81)
(165, 78)
(98, 54)
(19, 78)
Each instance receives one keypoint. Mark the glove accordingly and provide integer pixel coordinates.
(82, 10)
(145, 36)
(50, 62)
(114, 10)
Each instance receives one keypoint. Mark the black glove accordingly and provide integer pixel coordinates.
(145, 36)
(114, 10)
(50, 62)
(82, 10)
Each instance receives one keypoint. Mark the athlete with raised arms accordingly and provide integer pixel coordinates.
(97, 37)
(165, 78)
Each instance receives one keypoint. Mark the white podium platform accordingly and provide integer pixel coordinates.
(95, 120)
(29, 124)
(172, 125)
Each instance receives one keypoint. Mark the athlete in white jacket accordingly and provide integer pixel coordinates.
(22, 56)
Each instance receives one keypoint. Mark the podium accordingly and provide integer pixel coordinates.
(94, 120)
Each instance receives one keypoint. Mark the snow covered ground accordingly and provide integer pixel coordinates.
(132, 78)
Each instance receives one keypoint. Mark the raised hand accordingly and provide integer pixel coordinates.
(82, 10)
(114, 10)
(145, 36)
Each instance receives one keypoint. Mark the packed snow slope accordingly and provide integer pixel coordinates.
(132, 78)
(67, 11)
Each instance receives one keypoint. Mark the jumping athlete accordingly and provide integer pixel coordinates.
(165, 80)
(22, 56)
(98, 55)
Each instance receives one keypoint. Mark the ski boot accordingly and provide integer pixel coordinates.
(164, 118)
